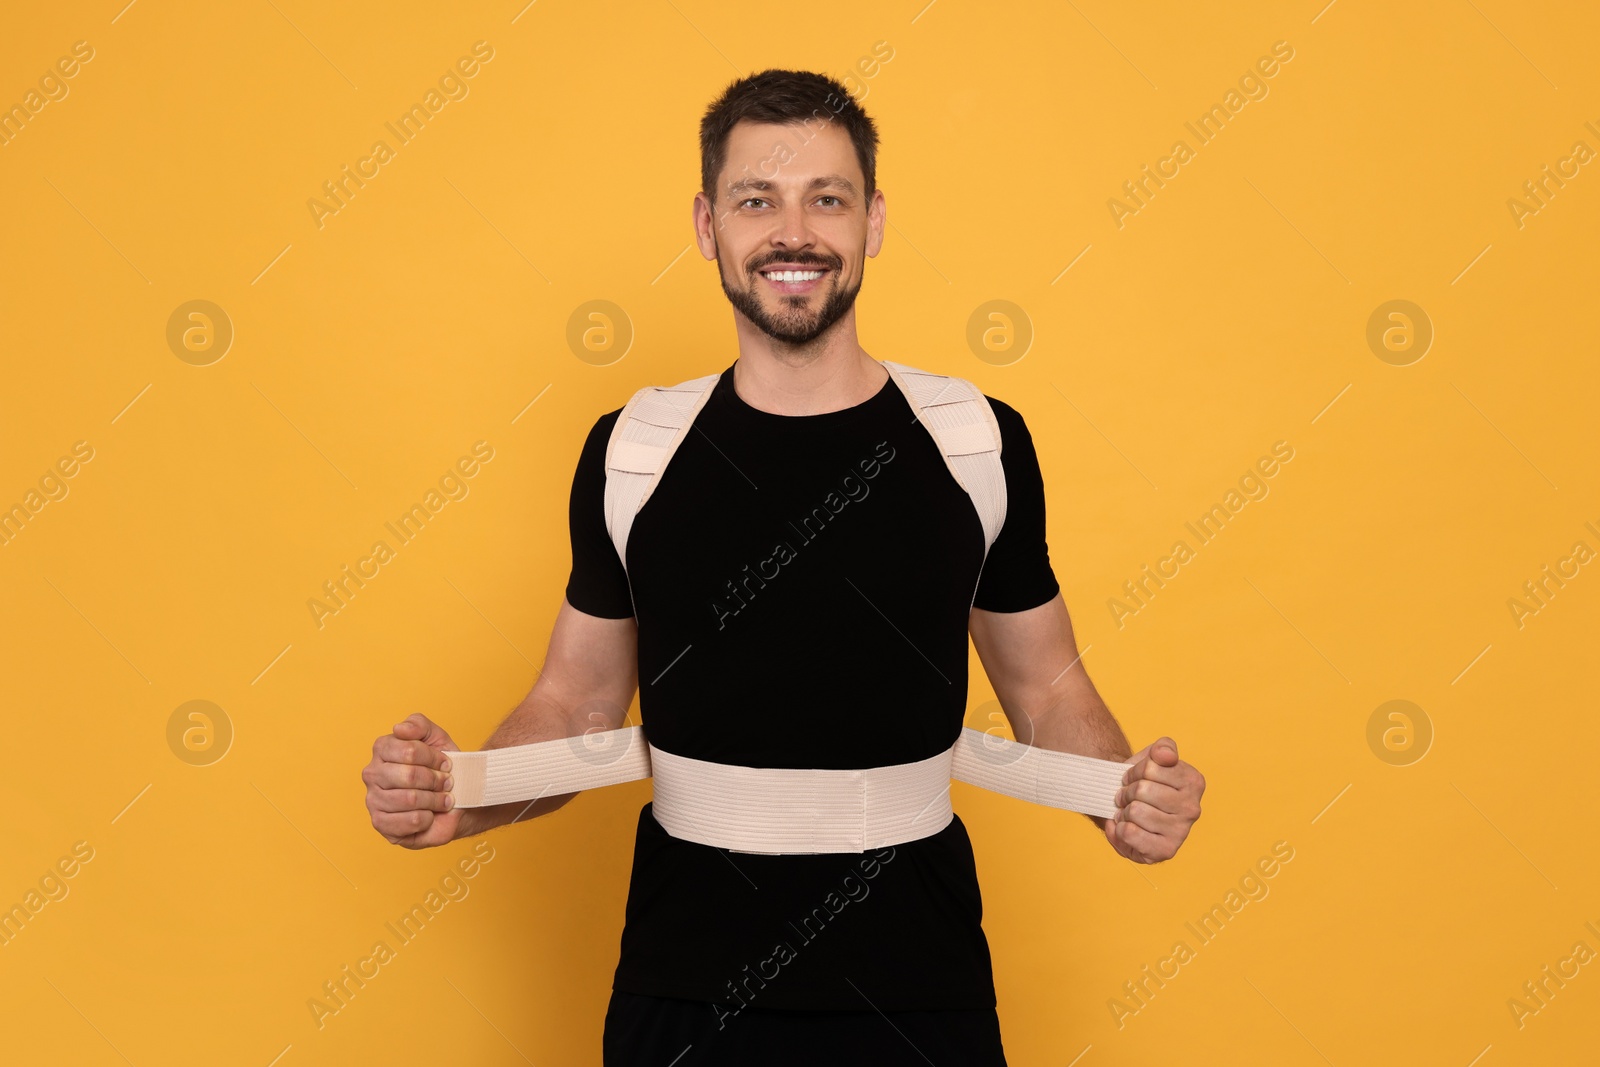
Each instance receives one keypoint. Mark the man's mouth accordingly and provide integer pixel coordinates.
(794, 280)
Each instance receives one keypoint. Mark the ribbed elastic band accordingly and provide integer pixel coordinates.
(780, 810)
(784, 810)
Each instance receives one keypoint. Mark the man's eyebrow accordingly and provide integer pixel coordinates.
(762, 185)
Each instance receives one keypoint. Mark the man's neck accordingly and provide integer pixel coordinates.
(831, 374)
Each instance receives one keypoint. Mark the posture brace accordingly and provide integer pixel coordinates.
(777, 810)
(774, 810)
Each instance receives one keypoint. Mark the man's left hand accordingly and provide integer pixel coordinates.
(1158, 802)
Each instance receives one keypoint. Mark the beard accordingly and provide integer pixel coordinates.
(792, 323)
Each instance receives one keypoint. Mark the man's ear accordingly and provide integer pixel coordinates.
(711, 230)
(877, 219)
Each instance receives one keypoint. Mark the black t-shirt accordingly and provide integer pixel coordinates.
(803, 581)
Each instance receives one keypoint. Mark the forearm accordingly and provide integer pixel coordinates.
(481, 820)
(1083, 725)
(1080, 722)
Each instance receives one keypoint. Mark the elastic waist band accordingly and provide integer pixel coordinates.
(780, 810)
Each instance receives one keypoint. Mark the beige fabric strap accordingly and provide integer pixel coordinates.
(648, 431)
(549, 768)
(776, 810)
(960, 419)
(783, 810)
(1038, 775)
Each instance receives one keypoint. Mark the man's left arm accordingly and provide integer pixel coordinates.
(1032, 660)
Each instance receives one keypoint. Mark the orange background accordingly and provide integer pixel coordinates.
(370, 352)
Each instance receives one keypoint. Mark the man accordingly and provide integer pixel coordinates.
(798, 592)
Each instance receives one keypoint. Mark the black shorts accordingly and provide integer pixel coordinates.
(643, 1031)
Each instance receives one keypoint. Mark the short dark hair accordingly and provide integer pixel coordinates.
(783, 97)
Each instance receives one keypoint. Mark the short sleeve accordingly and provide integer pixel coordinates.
(1016, 574)
(598, 584)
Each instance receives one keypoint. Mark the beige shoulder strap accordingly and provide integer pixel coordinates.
(960, 419)
(647, 432)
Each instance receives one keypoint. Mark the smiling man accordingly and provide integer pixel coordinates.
(796, 588)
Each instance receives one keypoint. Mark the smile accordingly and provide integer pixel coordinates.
(794, 281)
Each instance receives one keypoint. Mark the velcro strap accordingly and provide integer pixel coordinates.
(932, 390)
(664, 407)
(966, 440)
(635, 457)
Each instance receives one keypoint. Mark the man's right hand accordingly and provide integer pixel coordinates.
(407, 782)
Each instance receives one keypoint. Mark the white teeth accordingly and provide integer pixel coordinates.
(793, 275)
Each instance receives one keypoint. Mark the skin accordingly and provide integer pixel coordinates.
(793, 195)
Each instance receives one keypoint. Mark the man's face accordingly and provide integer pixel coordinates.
(791, 227)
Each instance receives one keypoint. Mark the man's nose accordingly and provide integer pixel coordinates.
(793, 230)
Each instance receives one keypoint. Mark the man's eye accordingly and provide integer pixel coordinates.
(835, 199)
(752, 200)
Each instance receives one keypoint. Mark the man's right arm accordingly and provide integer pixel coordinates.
(589, 679)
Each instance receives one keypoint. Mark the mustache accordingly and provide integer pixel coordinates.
(799, 260)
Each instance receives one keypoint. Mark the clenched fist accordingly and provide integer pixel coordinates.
(408, 782)
(1157, 805)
